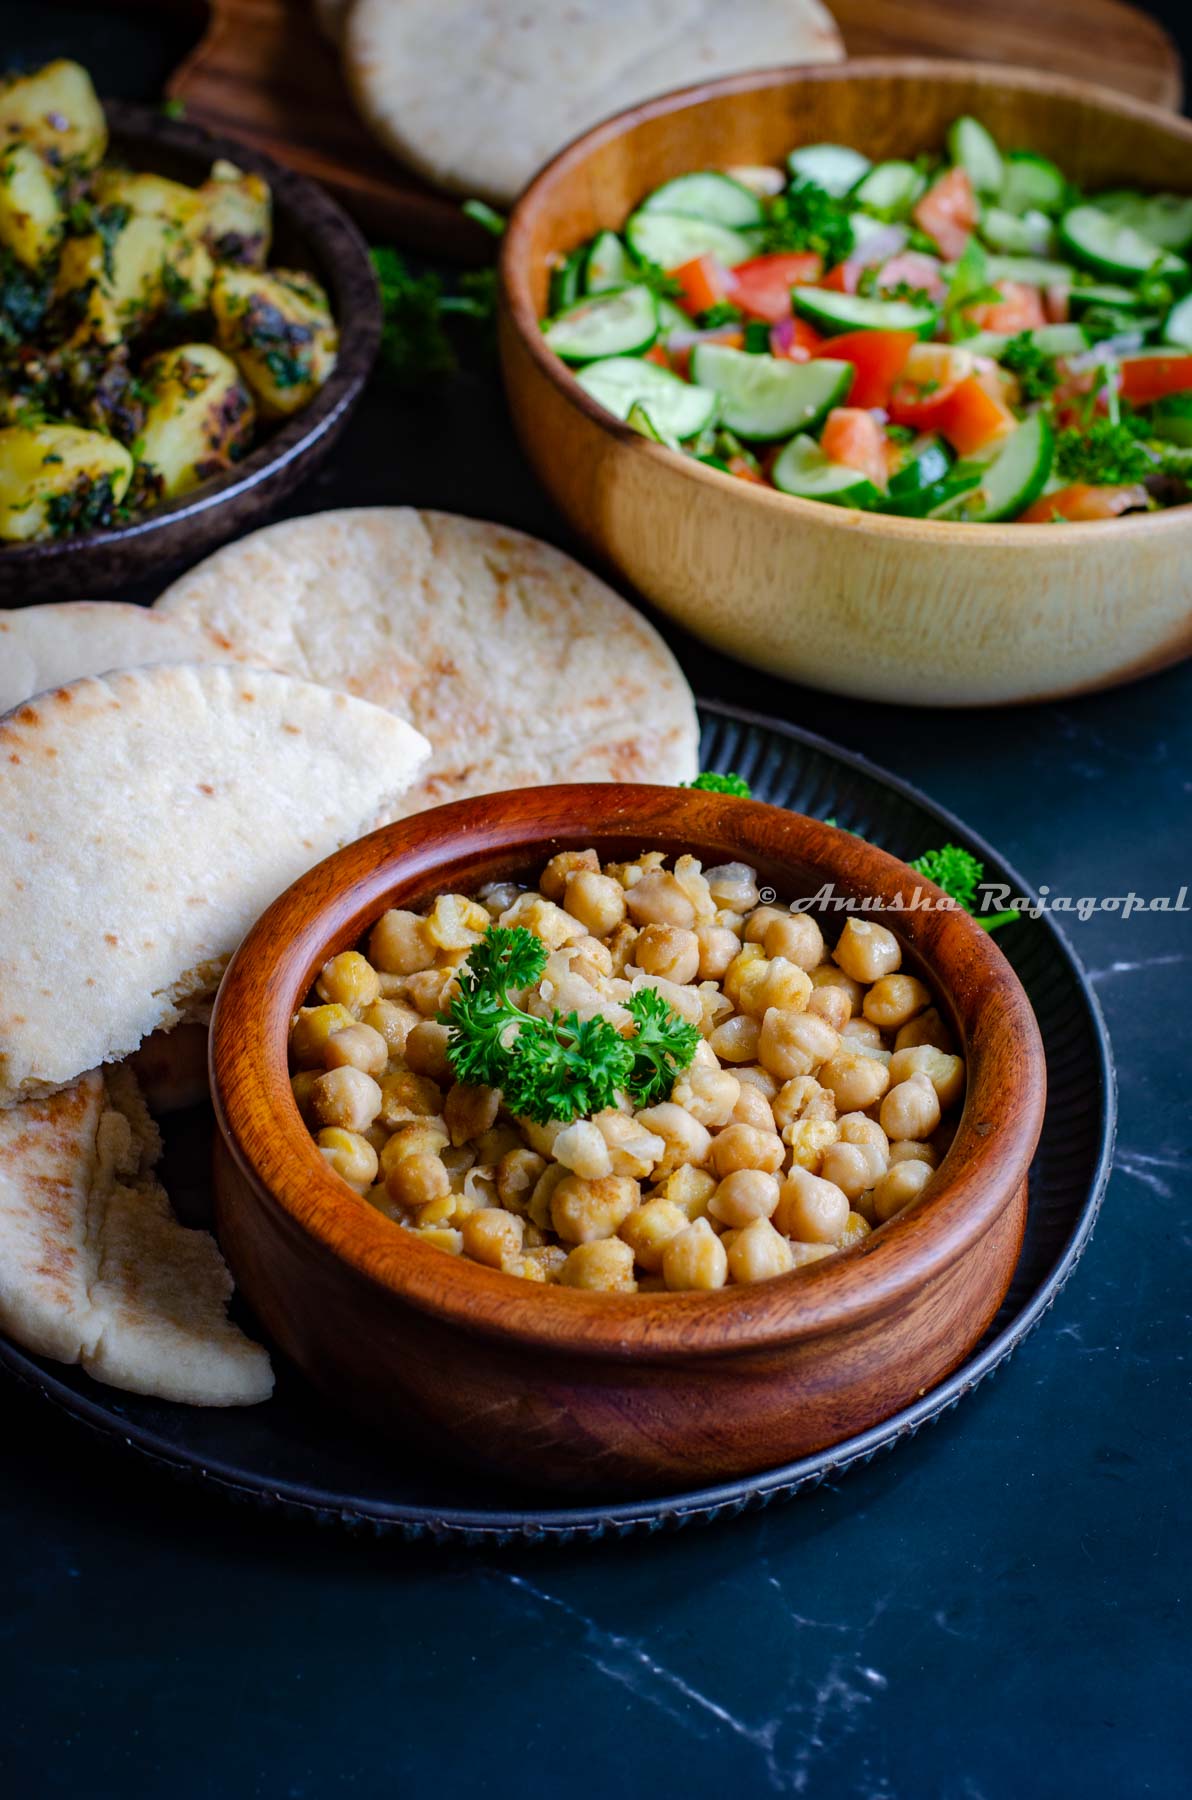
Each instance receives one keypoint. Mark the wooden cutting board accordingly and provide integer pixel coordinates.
(264, 72)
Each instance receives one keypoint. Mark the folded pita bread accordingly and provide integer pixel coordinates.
(44, 646)
(478, 94)
(146, 819)
(94, 1268)
(517, 663)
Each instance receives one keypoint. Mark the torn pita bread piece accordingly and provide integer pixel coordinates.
(45, 646)
(519, 665)
(478, 94)
(146, 819)
(95, 1269)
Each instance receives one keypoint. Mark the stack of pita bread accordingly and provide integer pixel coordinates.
(164, 774)
(476, 95)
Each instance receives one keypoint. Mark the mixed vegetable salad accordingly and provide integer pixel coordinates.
(963, 337)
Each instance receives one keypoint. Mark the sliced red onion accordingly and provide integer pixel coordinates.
(1109, 349)
(879, 244)
(686, 338)
(782, 337)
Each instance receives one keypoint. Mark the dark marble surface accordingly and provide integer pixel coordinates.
(994, 1611)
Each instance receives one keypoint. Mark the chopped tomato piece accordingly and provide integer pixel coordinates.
(921, 406)
(843, 278)
(762, 286)
(656, 354)
(853, 436)
(1019, 309)
(948, 212)
(964, 412)
(1147, 378)
(1080, 502)
(878, 358)
(743, 469)
(704, 282)
(917, 270)
(1057, 303)
(795, 340)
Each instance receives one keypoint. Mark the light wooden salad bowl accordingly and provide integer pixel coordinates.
(881, 608)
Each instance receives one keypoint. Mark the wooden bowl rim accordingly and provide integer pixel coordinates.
(994, 1145)
(336, 244)
(518, 308)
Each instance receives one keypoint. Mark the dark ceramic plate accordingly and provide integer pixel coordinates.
(295, 1454)
(310, 232)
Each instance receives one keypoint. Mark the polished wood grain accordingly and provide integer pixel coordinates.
(591, 1391)
(884, 608)
(263, 71)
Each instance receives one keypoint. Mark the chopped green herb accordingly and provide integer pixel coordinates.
(723, 313)
(712, 783)
(806, 217)
(959, 873)
(481, 213)
(1105, 455)
(109, 222)
(173, 109)
(1036, 371)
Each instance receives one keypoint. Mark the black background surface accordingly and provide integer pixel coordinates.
(995, 1611)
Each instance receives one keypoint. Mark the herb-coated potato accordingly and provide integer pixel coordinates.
(57, 110)
(199, 419)
(279, 328)
(153, 197)
(141, 262)
(30, 216)
(239, 216)
(58, 479)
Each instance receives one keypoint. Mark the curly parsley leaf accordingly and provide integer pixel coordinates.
(1107, 454)
(663, 1046)
(807, 217)
(960, 874)
(712, 783)
(1038, 376)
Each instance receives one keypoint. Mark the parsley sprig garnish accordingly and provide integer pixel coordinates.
(712, 783)
(1038, 376)
(960, 874)
(807, 217)
(1106, 454)
(558, 1067)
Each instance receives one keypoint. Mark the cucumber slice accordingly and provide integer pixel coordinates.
(1113, 249)
(802, 469)
(607, 264)
(677, 409)
(1016, 476)
(709, 195)
(616, 323)
(672, 239)
(1052, 340)
(926, 465)
(1032, 271)
(1104, 293)
(1022, 234)
(1166, 219)
(1171, 419)
(837, 168)
(671, 317)
(1031, 181)
(890, 189)
(830, 312)
(766, 397)
(920, 503)
(640, 420)
(566, 281)
(970, 145)
(1177, 326)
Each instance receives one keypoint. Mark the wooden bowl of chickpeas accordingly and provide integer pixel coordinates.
(560, 1131)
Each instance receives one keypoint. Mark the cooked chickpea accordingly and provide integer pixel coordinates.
(749, 957)
(831, 1003)
(901, 1184)
(581, 1211)
(690, 1190)
(558, 871)
(669, 951)
(794, 1043)
(759, 922)
(684, 1139)
(745, 1147)
(759, 1253)
(945, 1073)
(852, 1167)
(546, 920)
(394, 1022)
(517, 1173)
(349, 1154)
(493, 1236)
(894, 999)
(753, 1108)
(707, 1091)
(717, 948)
(910, 1150)
(828, 976)
(856, 1228)
(634, 1149)
(744, 1195)
(777, 983)
(419, 1179)
(346, 1097)
(544, 1263)
(596, 901)
(538, 1211)
(348, 979)
(927, 1028)
(405, 1096)
(736, 1041)
(357, 1047)
(866, 951)
(802, 1098)
(733, 887)
(796, 938)
(455, 923)
(910, 1110)
(658, 899)
(811, 1209)
(864, 1031)
(854, 1080)
(310, 1030)
(807, 1140)
(650, 1228)
(695, 1259)
(605, 1266)
(426, 1052)
(583, 1148)
(425, 1137)
(443, 1237)
(753, 1075)
(302, 1086)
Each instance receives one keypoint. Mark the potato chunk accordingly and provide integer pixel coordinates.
(199, 421)
(152, 197)
(56, 480)
(57, 110)
(140, 264)
(239, 216)
(280, 330)
(30, 216)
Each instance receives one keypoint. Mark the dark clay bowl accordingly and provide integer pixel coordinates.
(309, 232)
(587, 1391)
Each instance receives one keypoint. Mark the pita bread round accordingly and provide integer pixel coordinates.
(95, 1269)
(45, 646)
(146, 819)
(478, 94)
(517, 663)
